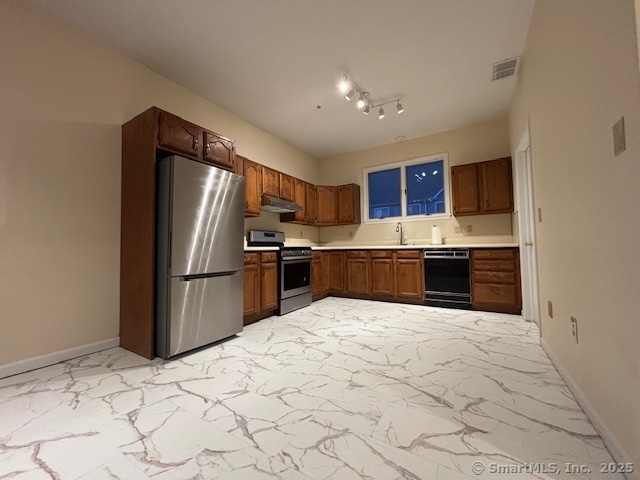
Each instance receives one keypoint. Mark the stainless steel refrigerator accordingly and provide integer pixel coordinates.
(199, 255)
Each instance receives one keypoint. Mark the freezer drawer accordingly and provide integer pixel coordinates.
(198, 312)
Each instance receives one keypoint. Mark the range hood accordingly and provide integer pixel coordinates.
(278, 205)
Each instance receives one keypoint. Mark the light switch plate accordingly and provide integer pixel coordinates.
(540, 215)
(550, 308)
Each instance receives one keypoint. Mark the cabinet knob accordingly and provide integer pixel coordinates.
(195, 144)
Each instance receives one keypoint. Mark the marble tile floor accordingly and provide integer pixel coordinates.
(343, 389)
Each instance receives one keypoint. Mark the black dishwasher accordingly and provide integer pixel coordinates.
(447, 278)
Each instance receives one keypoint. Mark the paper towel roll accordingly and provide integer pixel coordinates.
(436, 235)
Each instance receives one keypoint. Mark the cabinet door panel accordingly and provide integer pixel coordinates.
(464, 189)
(347, 204)
(286, 187)
(326, 272)
(497, 186)
(270, 182)
(300, 197)
(358, 275)
(220, 151)
(269, 286)
(409, 278)
(251, 289)
(311, 204)
(326, 210)
(317, 277)
(337, 271)
(179, 134)
(252, 187)
(382, 277)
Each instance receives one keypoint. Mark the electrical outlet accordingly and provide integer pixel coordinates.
(301, 234)
(550, 308)
(350, 233)
(469, 228)
(540, 215)
(457, 229)
(574, 328)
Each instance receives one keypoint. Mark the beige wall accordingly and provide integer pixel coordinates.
(485, 141)
(63, 99)
(579, 76)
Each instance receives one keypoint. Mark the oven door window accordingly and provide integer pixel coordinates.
(296, 275)
(450, 276)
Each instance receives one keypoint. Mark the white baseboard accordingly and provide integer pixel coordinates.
(609, 439)
(32, 363)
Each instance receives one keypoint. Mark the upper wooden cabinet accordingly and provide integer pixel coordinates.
(348, 204)
(179, 134)
(465, 189)
(311, 204)
(482, 188)
(300, 197)
(326, 206)
(270, 181)
(497, 186)
(286, 187)
(252, 188)
(219, 151)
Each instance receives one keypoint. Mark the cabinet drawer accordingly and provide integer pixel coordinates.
(494, 265)
(356, 254)
(381, 254)
(250, 258)
(409, 254)
(491, 254)
(268, 257)
(494, 277)
(506, 295)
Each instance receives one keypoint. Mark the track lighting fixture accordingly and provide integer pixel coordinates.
(351, 93)
(364, 103)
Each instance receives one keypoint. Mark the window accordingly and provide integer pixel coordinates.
(408, 190)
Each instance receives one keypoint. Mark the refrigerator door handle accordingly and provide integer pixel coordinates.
(200, 276)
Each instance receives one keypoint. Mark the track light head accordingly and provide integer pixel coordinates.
(351, 93)
(361, 102)
(367, 109)
(400, 108)
(381, 113)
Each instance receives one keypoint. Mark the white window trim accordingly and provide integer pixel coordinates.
(403, 188)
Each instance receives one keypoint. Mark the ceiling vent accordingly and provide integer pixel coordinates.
(505, 68)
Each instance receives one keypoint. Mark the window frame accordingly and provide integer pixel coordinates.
(444, 157)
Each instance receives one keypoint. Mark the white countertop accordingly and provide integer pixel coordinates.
(390, 247)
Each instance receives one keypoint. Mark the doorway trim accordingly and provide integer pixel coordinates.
(527, 230)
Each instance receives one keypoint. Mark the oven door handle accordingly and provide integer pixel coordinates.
(301, 257)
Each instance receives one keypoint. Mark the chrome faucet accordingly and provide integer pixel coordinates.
(401, 240)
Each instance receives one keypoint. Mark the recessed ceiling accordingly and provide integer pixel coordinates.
(274, 62)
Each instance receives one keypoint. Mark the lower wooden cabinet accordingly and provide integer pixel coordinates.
(260, 285)
(495, 280)
(409, 278)
(337, 272)
(269, 286)
(317, 276)
(382, 274)
(326, 272)
(251, 289)
(358, 275)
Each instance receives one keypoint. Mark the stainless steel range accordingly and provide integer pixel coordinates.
(294, 270)
(295, 278)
